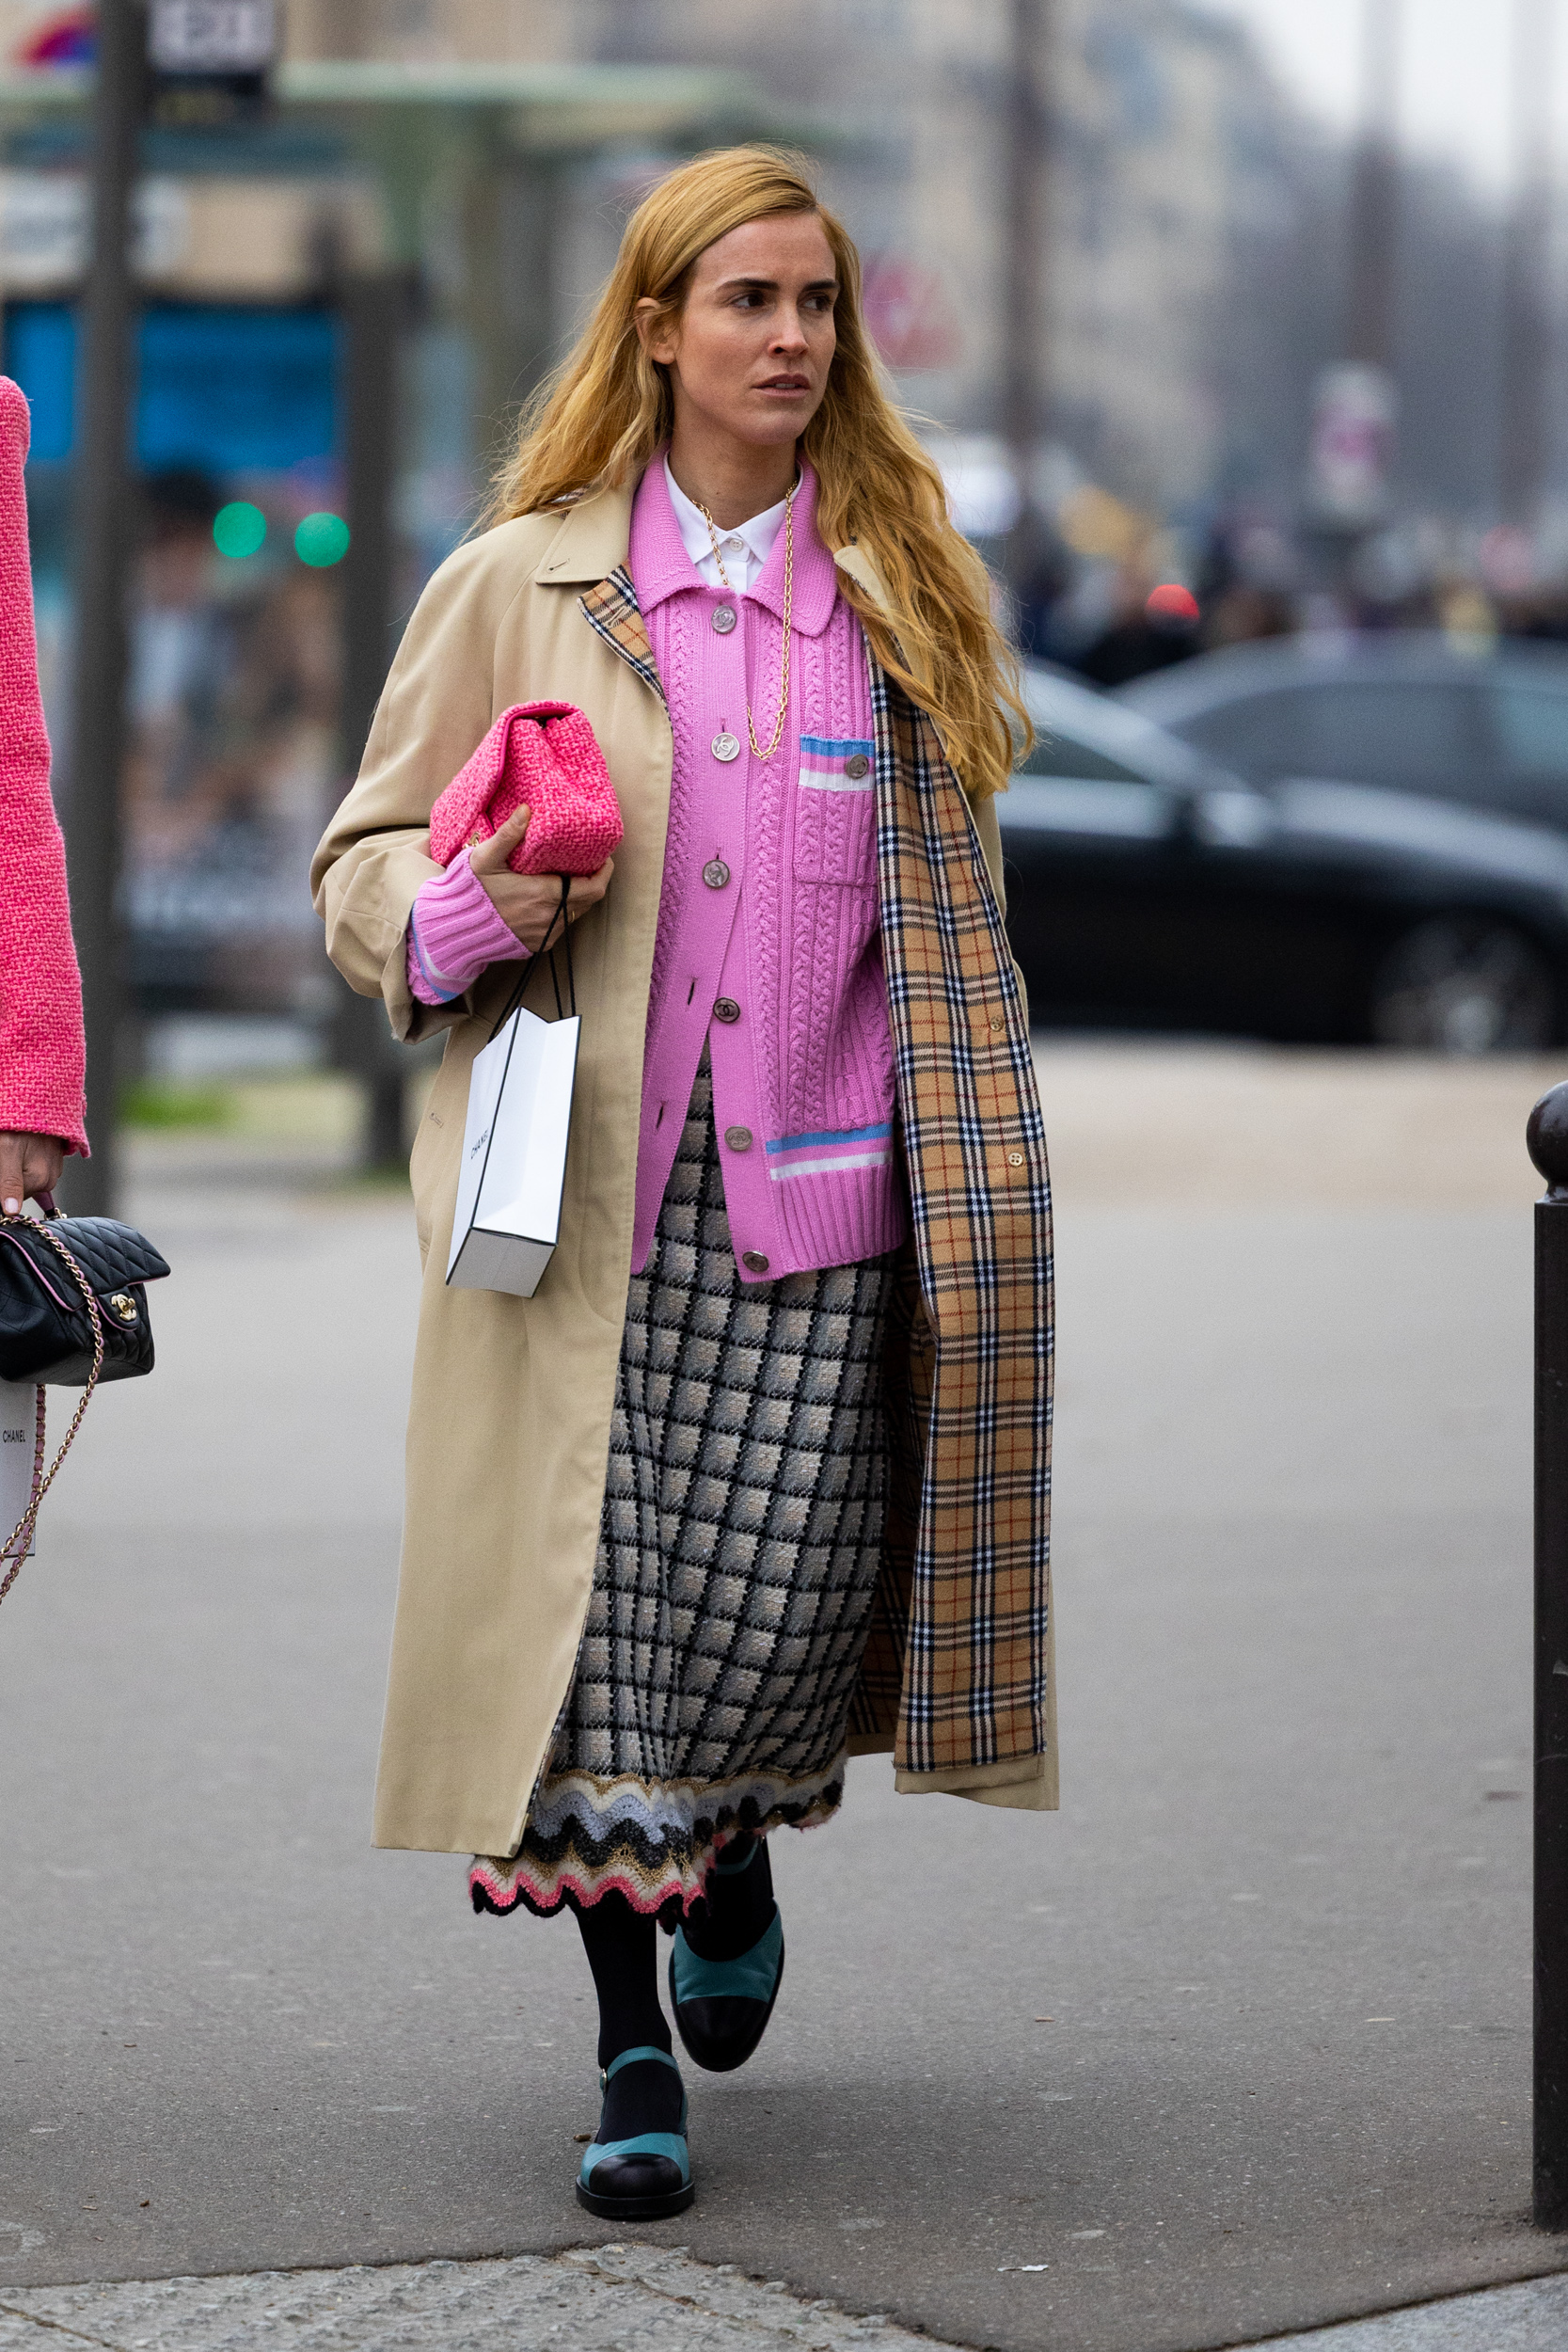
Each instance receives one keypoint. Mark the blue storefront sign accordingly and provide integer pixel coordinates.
(226, 389)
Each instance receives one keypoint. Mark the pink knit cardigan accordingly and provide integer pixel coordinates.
(43, 1050)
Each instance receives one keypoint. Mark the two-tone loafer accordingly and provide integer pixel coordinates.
(644, 2178)
(721, 2007)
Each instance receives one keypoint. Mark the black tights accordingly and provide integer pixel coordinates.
(622, 1949)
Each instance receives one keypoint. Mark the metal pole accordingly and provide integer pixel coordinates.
(1374, 189)
(103, 547)
(1526, 331)
(1023, 273)
(1547, 1138)
(373, 313)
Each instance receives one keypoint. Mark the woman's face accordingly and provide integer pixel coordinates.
(750, 354)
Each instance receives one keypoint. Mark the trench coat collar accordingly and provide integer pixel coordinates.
(593, 541)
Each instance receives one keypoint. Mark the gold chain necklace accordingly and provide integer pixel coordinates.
(788, 606)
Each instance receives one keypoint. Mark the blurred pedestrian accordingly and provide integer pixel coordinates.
(43, 1054)
(1142, 633)
(758, 1477)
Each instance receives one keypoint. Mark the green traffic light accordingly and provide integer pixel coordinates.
(321, 539)
(239, 529)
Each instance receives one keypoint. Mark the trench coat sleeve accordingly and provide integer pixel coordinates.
(435, 707)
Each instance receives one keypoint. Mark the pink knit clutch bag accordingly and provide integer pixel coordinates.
(543, 756)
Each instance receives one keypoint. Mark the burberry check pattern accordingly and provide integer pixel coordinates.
(962, 1621)
(614, 611)
(956, 1659)
(741, 1539)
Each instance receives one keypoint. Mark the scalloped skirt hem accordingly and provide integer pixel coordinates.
(653, 1843)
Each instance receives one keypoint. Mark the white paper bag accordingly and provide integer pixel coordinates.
(18, 1436)
(513, 1156)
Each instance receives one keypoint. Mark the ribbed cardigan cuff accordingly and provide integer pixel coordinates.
(453, 933)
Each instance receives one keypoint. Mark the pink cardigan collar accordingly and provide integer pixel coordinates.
(661, 568)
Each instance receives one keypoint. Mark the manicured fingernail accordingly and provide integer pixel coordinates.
(13, 1208)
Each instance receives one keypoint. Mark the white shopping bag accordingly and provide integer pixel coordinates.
(19, 1405)
(513, 1156)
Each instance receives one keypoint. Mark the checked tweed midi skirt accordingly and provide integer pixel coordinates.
(738, 1555)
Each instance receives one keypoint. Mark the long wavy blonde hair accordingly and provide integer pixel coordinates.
(597, 422)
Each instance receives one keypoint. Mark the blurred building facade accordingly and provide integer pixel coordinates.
(1187, 270)
(1166, 164)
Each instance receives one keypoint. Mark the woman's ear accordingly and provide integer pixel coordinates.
(655, 331)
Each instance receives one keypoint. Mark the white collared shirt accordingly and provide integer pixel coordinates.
(745, 550)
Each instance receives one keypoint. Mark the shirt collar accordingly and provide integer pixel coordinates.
(758, 531)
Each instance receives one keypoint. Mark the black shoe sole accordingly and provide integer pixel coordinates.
(637, 2208)
(722, 2057)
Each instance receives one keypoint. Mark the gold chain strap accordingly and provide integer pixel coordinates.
(15, 1548)
(788, 607)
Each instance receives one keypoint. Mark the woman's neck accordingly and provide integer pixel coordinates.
(732, 480)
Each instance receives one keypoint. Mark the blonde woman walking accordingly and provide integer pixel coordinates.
(758, 1479)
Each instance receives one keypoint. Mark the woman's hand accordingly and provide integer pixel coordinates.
(528, 904)
(28, 1165)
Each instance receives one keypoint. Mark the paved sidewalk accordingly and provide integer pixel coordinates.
(618, 2298)
(1236, 2044)
(610, 2299)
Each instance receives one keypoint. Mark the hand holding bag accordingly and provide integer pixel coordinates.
(72, 1313)
(544, 756)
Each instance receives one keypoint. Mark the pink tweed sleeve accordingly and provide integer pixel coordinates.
(453, 933)
(43, 1050)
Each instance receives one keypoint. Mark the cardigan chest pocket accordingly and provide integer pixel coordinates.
(835, 812)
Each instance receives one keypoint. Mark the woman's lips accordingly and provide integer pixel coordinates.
(785, 383)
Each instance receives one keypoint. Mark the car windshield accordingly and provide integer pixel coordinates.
(1415, 736)
(1083, 735)
(1531, 723)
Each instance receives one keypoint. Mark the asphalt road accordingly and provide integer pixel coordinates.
(1238, 2043)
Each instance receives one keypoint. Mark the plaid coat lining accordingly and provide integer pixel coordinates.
(957, 1660)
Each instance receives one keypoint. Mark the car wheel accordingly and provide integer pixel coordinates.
(1463, 984)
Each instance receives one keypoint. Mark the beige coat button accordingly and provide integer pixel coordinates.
(1015, 1159)
(754, 1261)
(739, 1138)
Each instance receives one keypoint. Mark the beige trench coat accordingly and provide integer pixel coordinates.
(509, 1428)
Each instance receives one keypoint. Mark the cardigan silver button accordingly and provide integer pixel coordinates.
(754, 1261)
(724, 619)
(716, 873)
(857, 764)
(726, 746)
(726, 1010)
(739, 1138)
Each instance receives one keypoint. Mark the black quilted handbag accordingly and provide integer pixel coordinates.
(72, 1313)
(70, 1285)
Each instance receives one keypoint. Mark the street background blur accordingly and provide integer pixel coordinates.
(1224, 327)
(1237, 330)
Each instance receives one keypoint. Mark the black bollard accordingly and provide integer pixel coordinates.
(1547, 1138)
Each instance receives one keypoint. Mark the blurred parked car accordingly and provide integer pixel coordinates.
(1150, 886)
(1407, 711)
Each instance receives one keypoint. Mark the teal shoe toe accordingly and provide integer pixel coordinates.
(641, 2179)
(721, 2007)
